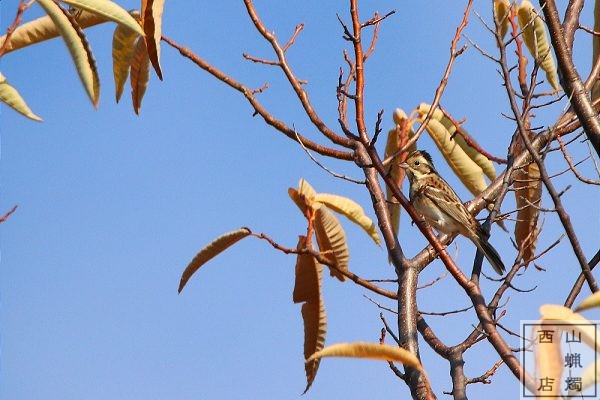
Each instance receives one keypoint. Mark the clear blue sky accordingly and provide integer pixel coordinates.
(113, 206)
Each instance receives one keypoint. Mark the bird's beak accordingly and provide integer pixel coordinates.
(403, 165)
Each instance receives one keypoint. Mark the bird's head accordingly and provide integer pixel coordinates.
(418, 164)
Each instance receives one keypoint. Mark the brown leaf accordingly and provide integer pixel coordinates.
(528, 194)
(307, 288)
(332, 240)
(315, 329)
(308, 276)
(210, 251)
(140, 74)
(152, 11)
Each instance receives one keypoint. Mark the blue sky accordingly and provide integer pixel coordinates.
(113, 206)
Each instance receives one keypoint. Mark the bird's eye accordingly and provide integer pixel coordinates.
(417, 162)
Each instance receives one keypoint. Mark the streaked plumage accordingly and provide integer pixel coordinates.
(441, 207)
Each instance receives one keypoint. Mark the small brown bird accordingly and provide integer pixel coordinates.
(441, 207)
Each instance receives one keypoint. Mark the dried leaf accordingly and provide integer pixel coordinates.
(43, 28)
(315, 330)
(352, 210)
(299, 199)
(589, 377)
(307, 288)
(308, 276)
(596, 47)
(123, 47)
(486, 165)
(536, 40)
(469, 173)
(571, 321)
(332, 240)
(78, 47)
(501, 15)
(548, 358)
(589, 302)
(109, 10)
(140, 74)
(305, 189)
(528, 195)
(152, 11)
(394, 142)
(371, 351)
(210, 251)
(11, 97)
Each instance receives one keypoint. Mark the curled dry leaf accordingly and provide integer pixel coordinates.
(371, 351)
(299, 199)
(528, 196)
(78, 47)
(485, 163)
(152, 11)
(44, 28)
(536, 40)
(396, 139)
(308, 276)
(109, 10)
(352, 210)
(306, 189)
(210, 251)
(596, 47)
(571, 321)
(469, 173)
(123, 47)
(589, 377)
(589, 302)
(501, 15)
(11, 97)
(140, 74)
(548, 358)
(307, 289)
(332, 240)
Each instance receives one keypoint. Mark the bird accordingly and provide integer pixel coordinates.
(441, 207)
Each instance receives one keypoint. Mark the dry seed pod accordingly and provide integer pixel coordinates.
(501, 13)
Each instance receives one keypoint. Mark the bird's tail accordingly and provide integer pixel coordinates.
(491, 254)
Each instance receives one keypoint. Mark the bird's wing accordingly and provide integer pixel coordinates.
(447, 201)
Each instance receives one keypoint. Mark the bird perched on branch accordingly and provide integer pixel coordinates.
(441, 207)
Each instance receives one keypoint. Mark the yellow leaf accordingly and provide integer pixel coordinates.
(596, 47)
(484, 163)
(78, 47)
(12, 98)
(573, 322)
(501, 15)
(109, 10)
(469, 173)
(589, 302)
(140, 74)
(332, 240)
(307, 288)
(589, 377)
(210, 251)
(536, 40)
(305, 189)
(123, 47)
(548, 358)
(352, 210)
(299, 199)
(152, 11)
(370, 351)
(43, 28)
